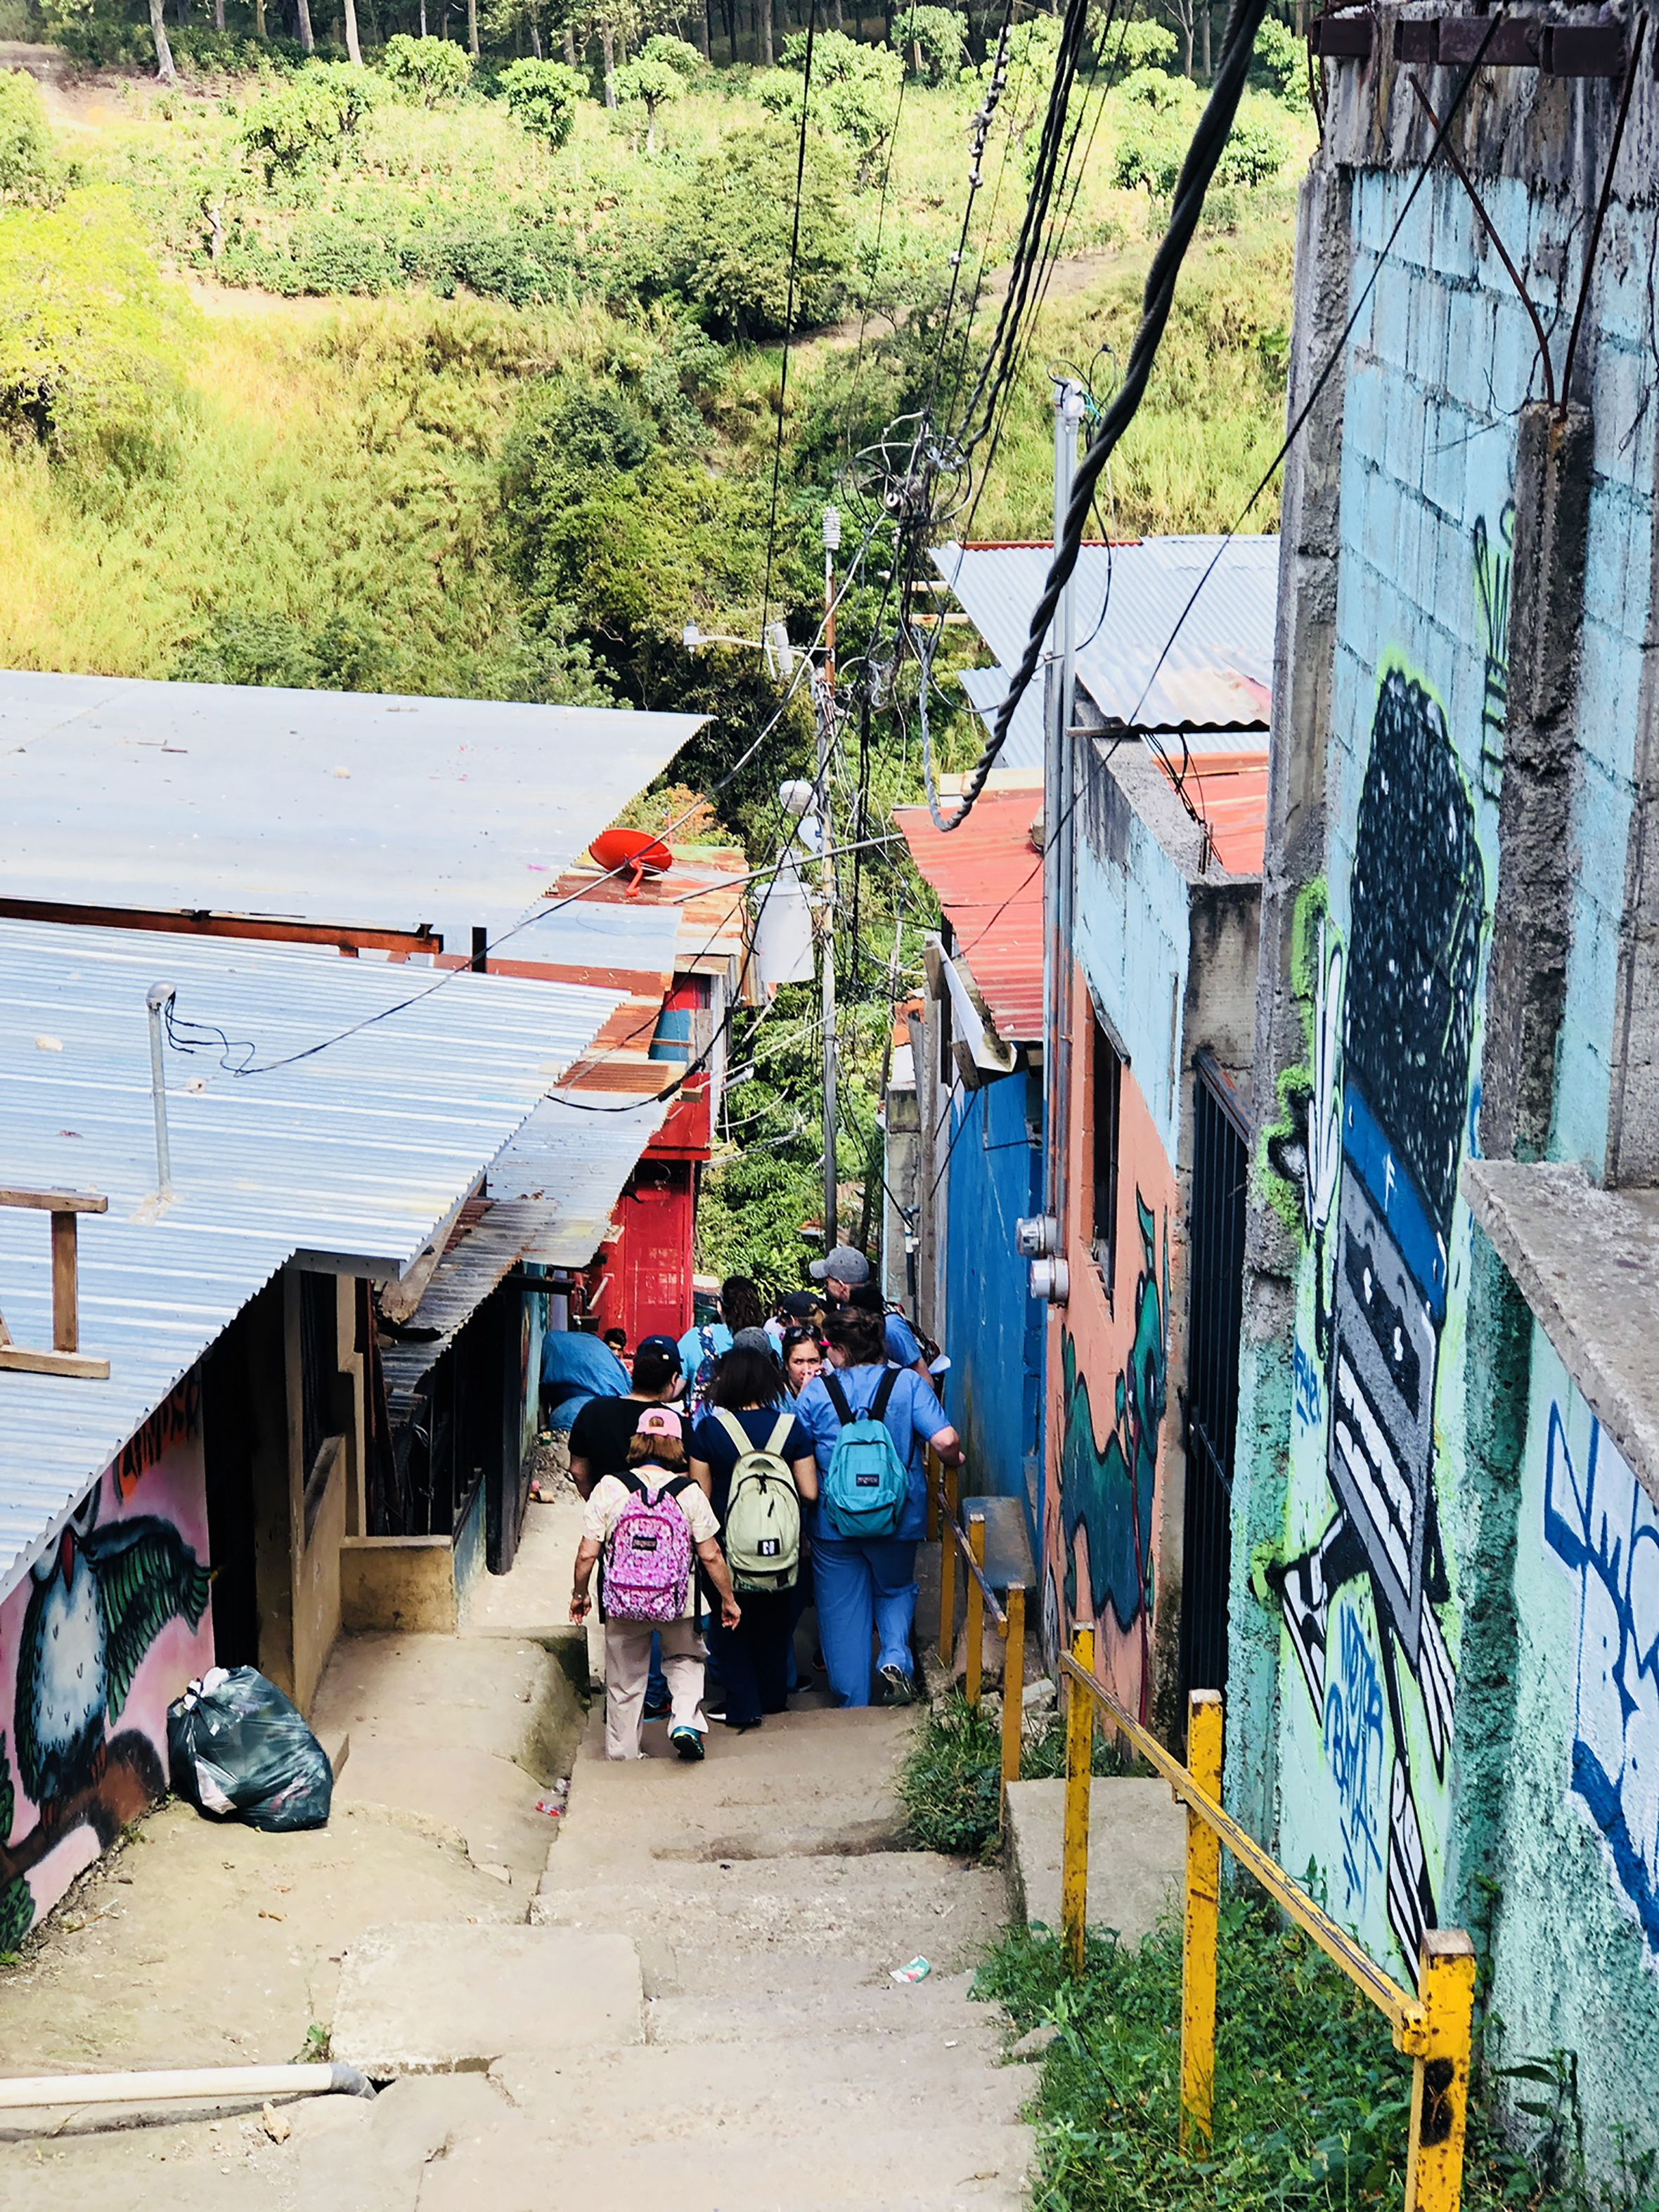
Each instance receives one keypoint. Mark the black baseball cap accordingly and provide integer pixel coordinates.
(801, 1305)
(657, 1344)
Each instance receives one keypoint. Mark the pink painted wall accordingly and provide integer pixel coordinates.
(100, 1637)
(1110, 1421)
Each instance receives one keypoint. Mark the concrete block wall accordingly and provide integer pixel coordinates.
(1367, 1616)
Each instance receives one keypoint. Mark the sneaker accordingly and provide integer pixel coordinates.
(658, 1709)
(900, 1690)
(687, 1742)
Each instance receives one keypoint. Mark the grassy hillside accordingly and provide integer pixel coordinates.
(424, 399)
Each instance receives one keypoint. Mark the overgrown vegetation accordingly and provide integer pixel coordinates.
(1312, 2103)
(439, 374)
(951, 1782)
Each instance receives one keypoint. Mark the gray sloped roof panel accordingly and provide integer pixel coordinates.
(1143, 654)
(348, 807)
(352, 1156)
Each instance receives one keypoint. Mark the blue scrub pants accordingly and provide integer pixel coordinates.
(863, 1584)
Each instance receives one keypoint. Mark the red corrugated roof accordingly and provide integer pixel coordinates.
(989, 880)
(1229, 790)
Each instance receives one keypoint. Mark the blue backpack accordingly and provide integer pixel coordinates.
(868, 1486)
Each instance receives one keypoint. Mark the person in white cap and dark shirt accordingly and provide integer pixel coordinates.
(846, 1279)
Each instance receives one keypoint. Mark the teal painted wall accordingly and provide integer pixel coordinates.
(1378, 1535)
(1575, 1927)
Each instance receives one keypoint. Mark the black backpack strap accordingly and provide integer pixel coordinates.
(883, 1393)
(630, 1481)
(680, 1482)
(837, 1398)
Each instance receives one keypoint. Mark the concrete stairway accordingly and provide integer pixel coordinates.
(782, 2065)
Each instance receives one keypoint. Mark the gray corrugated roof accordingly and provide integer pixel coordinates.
(551, 1195)
(338, 806)
(1130, 602)
(354, 1156)
(986, 688)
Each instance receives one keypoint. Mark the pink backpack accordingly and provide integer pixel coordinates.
(647, 1554)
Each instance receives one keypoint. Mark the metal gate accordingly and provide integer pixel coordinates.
(1220, 1158)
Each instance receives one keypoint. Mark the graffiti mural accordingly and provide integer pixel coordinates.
(106, 1628)
(1604, 1529)
(1106, 1492)
(1494, 561)
(1376, 1150)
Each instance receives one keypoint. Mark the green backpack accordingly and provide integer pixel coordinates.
(763, 1510)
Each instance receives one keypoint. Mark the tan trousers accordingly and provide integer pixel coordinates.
(627, 1669)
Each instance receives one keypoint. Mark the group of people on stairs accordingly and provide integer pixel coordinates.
(793, 1478)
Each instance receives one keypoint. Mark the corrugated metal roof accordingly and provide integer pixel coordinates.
(1130, 603)
(988, 877)
(352, 1157)
(552, 1194)
(347, 807)
(1229, 790)
(986, 688)
(573, 1161)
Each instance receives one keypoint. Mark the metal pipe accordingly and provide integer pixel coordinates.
(160, 997)
(1068, 421)
(177, 2084)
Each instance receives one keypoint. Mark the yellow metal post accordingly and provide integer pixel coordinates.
(1203, 1728)
(975, 1608)
(1075, 1847)
(947, 1573)
(1440, 2077)
(1013, 1688)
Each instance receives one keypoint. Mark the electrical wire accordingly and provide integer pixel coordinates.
(1196, 171)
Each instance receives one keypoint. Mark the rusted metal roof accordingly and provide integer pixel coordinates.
(988, 877)
(1132, 599)
(1229, 791)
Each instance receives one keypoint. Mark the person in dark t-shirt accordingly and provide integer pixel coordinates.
(603, 1430)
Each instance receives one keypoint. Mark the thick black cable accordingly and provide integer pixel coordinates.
(789, 310)
(1199, 165)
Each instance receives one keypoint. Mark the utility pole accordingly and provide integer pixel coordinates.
(827, 850)
(1058, 782)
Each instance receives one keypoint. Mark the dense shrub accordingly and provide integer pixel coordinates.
(90, 333)
(543, 97)
(939, 35)
(1140, 43)
(427, 71)
(1257, 147)
(28, 167)
(854, 89)
(1281, 61)
(734, 229)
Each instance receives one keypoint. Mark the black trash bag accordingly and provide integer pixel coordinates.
(238, 1749)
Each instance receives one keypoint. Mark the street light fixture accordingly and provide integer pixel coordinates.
(780, 653)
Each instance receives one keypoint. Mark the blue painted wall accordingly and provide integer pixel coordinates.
(992, 1329)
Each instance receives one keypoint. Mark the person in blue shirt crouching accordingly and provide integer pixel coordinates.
(868, 1583)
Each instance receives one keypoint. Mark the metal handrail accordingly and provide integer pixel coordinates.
(943, 1506)
(1405, 2013)
(1434, 2026)
(965, 1544)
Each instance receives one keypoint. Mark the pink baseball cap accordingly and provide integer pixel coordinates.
(659, 1421)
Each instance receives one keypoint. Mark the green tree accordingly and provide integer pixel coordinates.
(543, 97)
(680, 55)
(734, 226)
(1281, 61)
(309, 116)
(650, 85)
(1140, 43)
(91, 335)
(937, 38)
(28, 168)
(427, 71)
(854, 94)
(1258, 146)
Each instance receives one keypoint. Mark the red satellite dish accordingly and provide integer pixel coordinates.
(635, 852)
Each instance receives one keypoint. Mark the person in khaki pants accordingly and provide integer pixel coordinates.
(657, 1455)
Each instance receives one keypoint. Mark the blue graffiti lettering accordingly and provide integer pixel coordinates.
(1310, 1399)
(1605, 1530)
(1353, 1745)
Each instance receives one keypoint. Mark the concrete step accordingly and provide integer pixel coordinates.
(1137, 1852)
(879, 1907)
(847, 2168)
(663, 2092)
(442, 1999)
(818, 1997)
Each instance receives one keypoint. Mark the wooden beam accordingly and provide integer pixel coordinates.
(65, 1321)
(54, 1362)
(57, 1201)
(203, 922)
